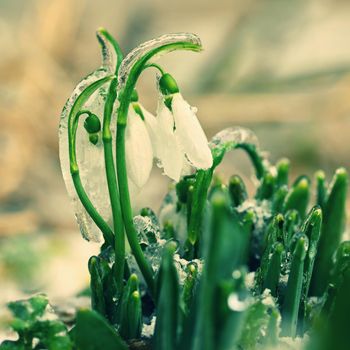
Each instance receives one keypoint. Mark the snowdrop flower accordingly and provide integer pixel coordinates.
(181, 139)
(170, 154)
(175, 137)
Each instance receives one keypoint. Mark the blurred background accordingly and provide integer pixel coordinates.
(278, 67)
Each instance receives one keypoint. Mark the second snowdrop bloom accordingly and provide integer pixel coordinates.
(181, 137)
(190, 134)
(165, 146)
(170, 155)
(175, 137)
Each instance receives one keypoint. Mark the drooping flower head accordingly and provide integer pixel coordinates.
(187, 141)
(177, 138)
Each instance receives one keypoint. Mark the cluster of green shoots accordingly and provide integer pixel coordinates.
(216, 269)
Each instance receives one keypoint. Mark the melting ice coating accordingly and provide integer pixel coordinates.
(147, 46)
(230, 137)
(109, 56)
(149, 235)
(90, 159)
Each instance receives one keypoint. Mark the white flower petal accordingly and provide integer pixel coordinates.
(190, 134)
(139, 154)
(152, 128)
(133, 190)
(187, 167)
(170, 153)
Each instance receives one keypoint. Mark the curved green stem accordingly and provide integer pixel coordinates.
(104, 33)
(156, 66)
(118, 226)
(108, 234)
(256, 158)
(125, 98)
(251, 149)
(83, 111)
(73, 120)
(137, 69)
(119, 247)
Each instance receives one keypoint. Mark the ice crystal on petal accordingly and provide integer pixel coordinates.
(148, 46)
(89, 157)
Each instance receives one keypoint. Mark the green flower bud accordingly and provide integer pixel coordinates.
(93, 138)
(134, 96)
(168, 85)
(138, 110)
(92, 124)
(167, 101)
